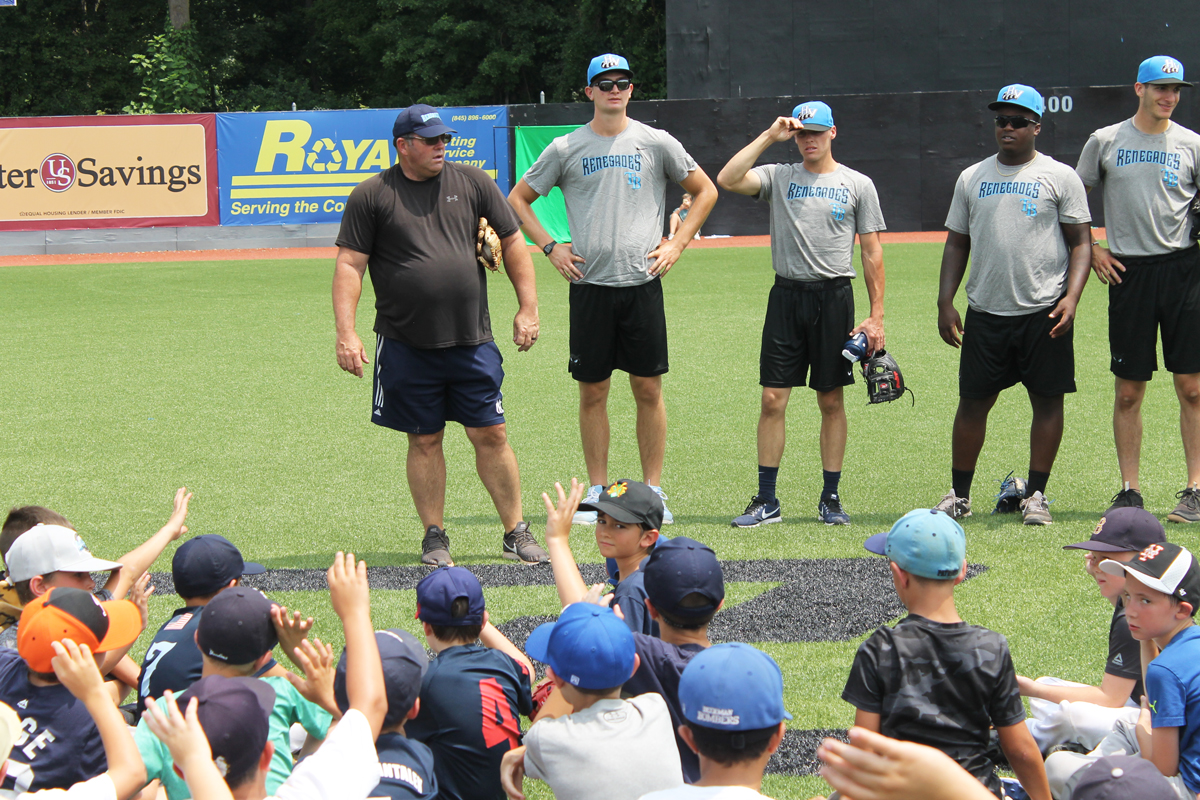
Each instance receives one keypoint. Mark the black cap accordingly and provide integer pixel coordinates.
(235, 715)
(629, 501)
(1165, 567)
(206, 564)
(419, 120)
(236, 626)
(404, 665)
(1123, 530)
(680, 567)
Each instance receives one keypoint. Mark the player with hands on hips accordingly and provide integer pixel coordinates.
(1022, 219)
(818, 207)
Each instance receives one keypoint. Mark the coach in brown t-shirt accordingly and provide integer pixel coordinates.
(414, 226)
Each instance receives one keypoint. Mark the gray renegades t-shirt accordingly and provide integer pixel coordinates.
(1018, 252)
(615, 190)
(814, 218)
(1149, 182)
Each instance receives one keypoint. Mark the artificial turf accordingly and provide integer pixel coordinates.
(121, 382)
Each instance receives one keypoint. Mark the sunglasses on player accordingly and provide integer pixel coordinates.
(432, 141)
(607, 86)
(1016, 120)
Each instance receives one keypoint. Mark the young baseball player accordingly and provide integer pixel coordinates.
(933, 679)
(1063, 711)
(589, 653)
(1022, 218)
(817, 208)
(1148, 168)
(473, 694)
(613, 173)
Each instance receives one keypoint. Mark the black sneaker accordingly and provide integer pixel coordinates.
(1127, 498)
(831, 512)
(435, 548)
(1188, 509)
(520, 545)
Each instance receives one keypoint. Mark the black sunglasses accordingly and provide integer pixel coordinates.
(607, 85)
(1016, 120)
(445, 138)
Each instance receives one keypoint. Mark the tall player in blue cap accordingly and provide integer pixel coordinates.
(1148, 168)
(1022, 219)
(817, 208)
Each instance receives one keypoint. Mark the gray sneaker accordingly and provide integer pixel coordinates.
(1035, 510)
(956, 507)
(520, 545)
(435, 548)
(588, 517)
(1188, 509)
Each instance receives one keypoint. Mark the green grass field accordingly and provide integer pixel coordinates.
(121, 382)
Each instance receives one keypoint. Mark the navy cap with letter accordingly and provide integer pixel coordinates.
(608, 62)
(1161, 69)
(235, 715)
(236, 626)
(419, 120)
(404, 665)
(1123, 530)
(925, 542)
(814, 115)
(732, 687)
(1020, 95)
(680, 567)
(1123, 778)
(588, 647)
(1165, 567)
(437, 592)
(629, 502)
(206, 564)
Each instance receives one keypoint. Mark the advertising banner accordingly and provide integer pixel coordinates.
(299, 167)
(551, 210)
(108, 172)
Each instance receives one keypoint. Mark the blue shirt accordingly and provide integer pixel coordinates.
(471, 698)
(407, 767)
(1173, 690)
(659, 669)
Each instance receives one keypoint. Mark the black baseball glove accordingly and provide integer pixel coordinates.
(885, 383)
(487, 246)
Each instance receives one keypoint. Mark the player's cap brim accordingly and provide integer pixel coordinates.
(812, 126)
(88, 564)
(124, 625)
(1100, 547)
(537, 646)
(877, 544)
(1171, 80)
(618, 512)
(251, 568)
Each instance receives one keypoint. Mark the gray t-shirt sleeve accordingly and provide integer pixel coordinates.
(869, 216)
(766, 176)
(958, 219)
(1088, 168)
(543, 174)
(676, 162)
(1072, 199)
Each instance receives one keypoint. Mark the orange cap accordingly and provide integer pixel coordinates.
(67, 613)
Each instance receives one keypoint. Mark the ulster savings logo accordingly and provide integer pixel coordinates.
(58, 172)
(1011, 93)
(617, 489)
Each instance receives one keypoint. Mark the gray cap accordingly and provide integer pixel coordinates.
(1123, 778)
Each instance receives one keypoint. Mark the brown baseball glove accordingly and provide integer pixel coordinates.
(487, 246)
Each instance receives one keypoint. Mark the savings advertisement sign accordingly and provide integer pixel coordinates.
(299, 167)
(108, 172)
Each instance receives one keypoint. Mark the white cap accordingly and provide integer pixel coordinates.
(10, 728)
(51, 548)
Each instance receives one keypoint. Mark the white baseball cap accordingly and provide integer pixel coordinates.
(51, 548)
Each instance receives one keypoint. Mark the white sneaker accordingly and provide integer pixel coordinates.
(588, 517)
(668, 517)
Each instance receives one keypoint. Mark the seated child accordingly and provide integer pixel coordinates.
(933, 679)
(589, 653)
(472, 694)
(732, 698)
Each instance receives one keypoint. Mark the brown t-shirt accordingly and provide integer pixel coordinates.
(430, 291)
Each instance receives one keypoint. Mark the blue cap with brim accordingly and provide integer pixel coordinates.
(814, 115)
(732, 687)
(925, 542)
(419, 120)
(437, 592)
(589, 647)
(1020, 95)
(1161, 69)
(609, 62)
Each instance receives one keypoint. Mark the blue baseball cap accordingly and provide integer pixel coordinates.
(925, 542)
(404, 665)
(814, 115)
(588, 647)
(1161, 69)
(609, 62)
(1020, 95)
(419, 120)
(732, 687)
(207, 563)
(680, 567)
(438, 590)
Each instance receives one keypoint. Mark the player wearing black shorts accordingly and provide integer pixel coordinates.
(1024, 218)
(1148, 167)
(817, 208)
(414, 226)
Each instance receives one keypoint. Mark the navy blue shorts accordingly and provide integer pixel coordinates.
(419, 391)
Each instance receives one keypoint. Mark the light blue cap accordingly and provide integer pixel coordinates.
(1161, 69)
(814, 115)
(732, 687)
(588, 646)
(607, 63)
(1018, 94)
(925, 542)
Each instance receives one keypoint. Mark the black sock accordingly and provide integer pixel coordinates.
(1036, 483)
(831, 482)
(766, 481)
(961, 479)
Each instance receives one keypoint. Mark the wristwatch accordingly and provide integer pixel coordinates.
(549, 247)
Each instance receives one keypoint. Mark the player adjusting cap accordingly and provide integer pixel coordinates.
(630, 502)
(236, 626)
(207, 563)
(683, 577)
(1123, 530)
(52, 548)
(588, 647)
(67, 613)
(1161, 69)
(404, 665)
(1165, 567)
(1123, 778)
(732, 687)
(419, 120)
(609, 62)
(235, 715)
(437, 592)
(1020, 95)
(814, 115)
(925, 542)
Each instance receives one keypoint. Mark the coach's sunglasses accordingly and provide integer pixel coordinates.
(607, 85)
(432, 141)
(1016, 120)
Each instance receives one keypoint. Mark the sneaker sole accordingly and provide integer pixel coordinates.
(1173, 517)
(514, 557)
(1038, 522)
(435, 564)
(756, 524)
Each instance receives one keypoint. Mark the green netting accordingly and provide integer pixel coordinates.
(531, 140)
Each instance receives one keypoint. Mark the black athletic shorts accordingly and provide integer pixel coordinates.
(418, 391)
(617, 327)
(999, 352)
(1155, 291)
(807, 324)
